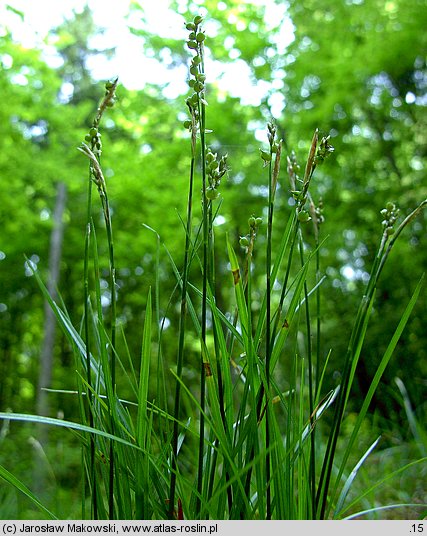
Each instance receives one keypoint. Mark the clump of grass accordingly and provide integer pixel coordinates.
(257, 449)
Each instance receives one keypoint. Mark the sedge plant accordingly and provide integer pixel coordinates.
(251, 444)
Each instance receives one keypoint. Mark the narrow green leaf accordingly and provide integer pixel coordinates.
(376, 380)
(285, 323)
(65, 424)
(388, 507)
(380, 483)
(417, 430)
(144, 375)
(351, 477)
(4, 473)
(142, 422)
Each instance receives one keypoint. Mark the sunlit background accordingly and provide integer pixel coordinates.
(131, 62)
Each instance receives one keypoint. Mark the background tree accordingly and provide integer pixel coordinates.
(358, 71)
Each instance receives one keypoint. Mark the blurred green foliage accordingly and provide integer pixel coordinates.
(355, 69)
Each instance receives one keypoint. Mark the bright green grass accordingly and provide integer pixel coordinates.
(248, 445)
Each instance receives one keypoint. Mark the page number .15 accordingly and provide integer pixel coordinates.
(417, 527)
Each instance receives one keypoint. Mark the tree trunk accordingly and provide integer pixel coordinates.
(41, 465)
(46, 357)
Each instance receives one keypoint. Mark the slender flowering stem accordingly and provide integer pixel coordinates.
(93, 153)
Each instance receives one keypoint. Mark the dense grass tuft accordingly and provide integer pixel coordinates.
(259, 435)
